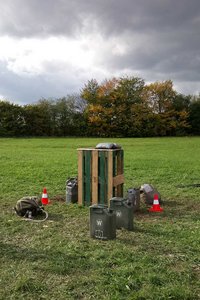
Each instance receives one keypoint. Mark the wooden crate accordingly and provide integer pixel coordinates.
(100, 175)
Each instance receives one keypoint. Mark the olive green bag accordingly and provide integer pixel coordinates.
(30, 207)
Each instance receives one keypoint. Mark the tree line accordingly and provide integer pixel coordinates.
(116, 107)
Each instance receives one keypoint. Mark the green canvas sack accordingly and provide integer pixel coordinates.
(29, 207)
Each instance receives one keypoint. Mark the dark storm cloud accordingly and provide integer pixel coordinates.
(36, 17)
(32, 18)
(161, 37)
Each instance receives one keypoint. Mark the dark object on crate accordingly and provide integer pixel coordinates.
(108, 146)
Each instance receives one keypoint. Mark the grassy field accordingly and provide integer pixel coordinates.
(57, 259)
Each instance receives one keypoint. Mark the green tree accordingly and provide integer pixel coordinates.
(90, 91)
(194, 115)
(69, 116)
(12, 121)
(38, 118)
(64, 108)
(55, 117)
(181, 102)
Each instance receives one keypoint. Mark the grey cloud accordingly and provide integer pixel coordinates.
(162, 38)
(66, 17)
(32, 18)
(23, 89)
(174, 52)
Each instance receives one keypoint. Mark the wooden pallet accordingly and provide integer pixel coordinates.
(100, 175)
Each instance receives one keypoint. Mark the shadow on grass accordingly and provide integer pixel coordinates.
(58, 198)
(171, 209)
(56, 262)
(56, 217)
(15, 252)
(171, 203)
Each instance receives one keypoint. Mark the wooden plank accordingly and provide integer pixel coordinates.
(120, 170)
(80, 177)
(120, 166)
(87, 194)
(106, 179)
(117, 180)
(110, 176)
(102, 177)
(114, 171)
(85, 149)
(94, 176)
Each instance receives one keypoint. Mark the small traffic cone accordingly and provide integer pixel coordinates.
(156, 206)
(45, 199)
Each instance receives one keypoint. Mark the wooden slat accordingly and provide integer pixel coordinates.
(120, 162)
(114, 172)
(117, 180)
(94, 176)
(87, 193)
(120, 170)
(102, 177)
(80, 177)
(110, 176)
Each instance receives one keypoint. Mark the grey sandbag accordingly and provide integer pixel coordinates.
(147, 193)
(133, 196)
(108, 146)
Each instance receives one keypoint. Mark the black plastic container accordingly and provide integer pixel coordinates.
(124, 212)
(102, 222)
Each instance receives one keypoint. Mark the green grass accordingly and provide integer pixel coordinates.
(57, 259)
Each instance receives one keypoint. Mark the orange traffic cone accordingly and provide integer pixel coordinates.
(156, 206)
(45, 199)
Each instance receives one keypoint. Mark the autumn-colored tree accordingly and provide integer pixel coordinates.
(116, 107)
(170, 115)
(134, 110)
(160, 96)
(111, 105)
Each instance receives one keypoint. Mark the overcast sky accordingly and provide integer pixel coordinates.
(51, 48)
